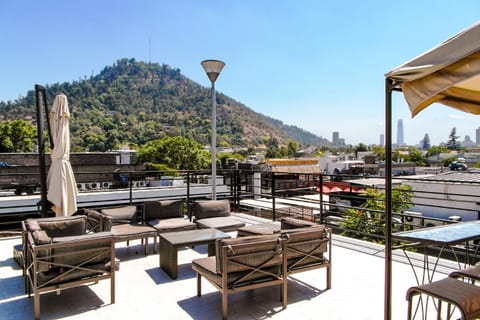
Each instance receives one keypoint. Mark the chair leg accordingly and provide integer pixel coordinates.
(112, 288)
(329, 277)
(36, 305)
(410, 303)
(224, 303)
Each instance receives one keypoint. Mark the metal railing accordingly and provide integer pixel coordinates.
(266, 194)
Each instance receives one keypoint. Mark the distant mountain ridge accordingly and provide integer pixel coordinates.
(135, 102)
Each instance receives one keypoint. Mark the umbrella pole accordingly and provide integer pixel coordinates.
(388, 200)
(41, 96)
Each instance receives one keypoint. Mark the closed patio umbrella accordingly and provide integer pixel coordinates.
(61, 184)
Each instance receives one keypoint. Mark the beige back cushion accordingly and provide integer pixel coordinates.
(212, 208)
(163, 209)
(250, 250)
(59, 226)
(121, 214)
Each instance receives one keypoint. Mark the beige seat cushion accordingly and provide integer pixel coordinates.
(132, 230)
(225, 224)
(292, 223)
(172, 224)
(259, 229)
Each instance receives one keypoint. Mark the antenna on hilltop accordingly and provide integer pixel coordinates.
(149, 50)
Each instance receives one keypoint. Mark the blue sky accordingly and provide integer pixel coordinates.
(318, 65)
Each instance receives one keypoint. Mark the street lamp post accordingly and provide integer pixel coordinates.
(213, 69)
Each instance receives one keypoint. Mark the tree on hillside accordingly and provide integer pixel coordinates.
(17, 136)
(292, 148)
(452, 143)
(272, 147)
(178, 153)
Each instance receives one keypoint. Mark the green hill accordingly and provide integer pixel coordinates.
(134, 102)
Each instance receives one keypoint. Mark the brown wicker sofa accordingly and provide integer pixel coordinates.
(242, 264)
(62, 253)
(215, 214)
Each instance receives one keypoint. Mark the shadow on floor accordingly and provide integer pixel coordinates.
(159, 276)
(259, 303)
(53, 306)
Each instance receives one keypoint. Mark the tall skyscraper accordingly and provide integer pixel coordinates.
(400, 141)
(477, 136)
(335, 138)
(382, 139)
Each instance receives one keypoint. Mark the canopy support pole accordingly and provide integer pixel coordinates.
(388, 199)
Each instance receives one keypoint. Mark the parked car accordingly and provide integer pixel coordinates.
(458, 166)
(4, 164)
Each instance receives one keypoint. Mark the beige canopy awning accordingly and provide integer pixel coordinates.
(448, 74)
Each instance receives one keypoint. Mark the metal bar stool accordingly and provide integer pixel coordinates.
(463, 295)
(472, 273)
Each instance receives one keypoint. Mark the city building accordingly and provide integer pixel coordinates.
(467, 142)
(335, 138)
(400, 141)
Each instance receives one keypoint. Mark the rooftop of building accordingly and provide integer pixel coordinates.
(144, 291)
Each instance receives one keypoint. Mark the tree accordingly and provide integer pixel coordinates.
(272, 147)
(17, 136)
(452, 143)
(292, 147)
(178, 153)
(360, 147)
(368, 222)
(379, 151)
(414, 155)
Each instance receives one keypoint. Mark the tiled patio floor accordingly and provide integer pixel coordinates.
(144, 291)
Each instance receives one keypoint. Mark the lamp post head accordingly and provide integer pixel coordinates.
(212, 68)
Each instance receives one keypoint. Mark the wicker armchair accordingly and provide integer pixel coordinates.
(60, 253)
(244, 263)
(308, 244)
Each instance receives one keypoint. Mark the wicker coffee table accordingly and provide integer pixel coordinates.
(171, 241)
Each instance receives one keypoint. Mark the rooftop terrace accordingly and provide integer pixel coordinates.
(144, 291)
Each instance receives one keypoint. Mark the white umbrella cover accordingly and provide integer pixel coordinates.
(61, 184)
